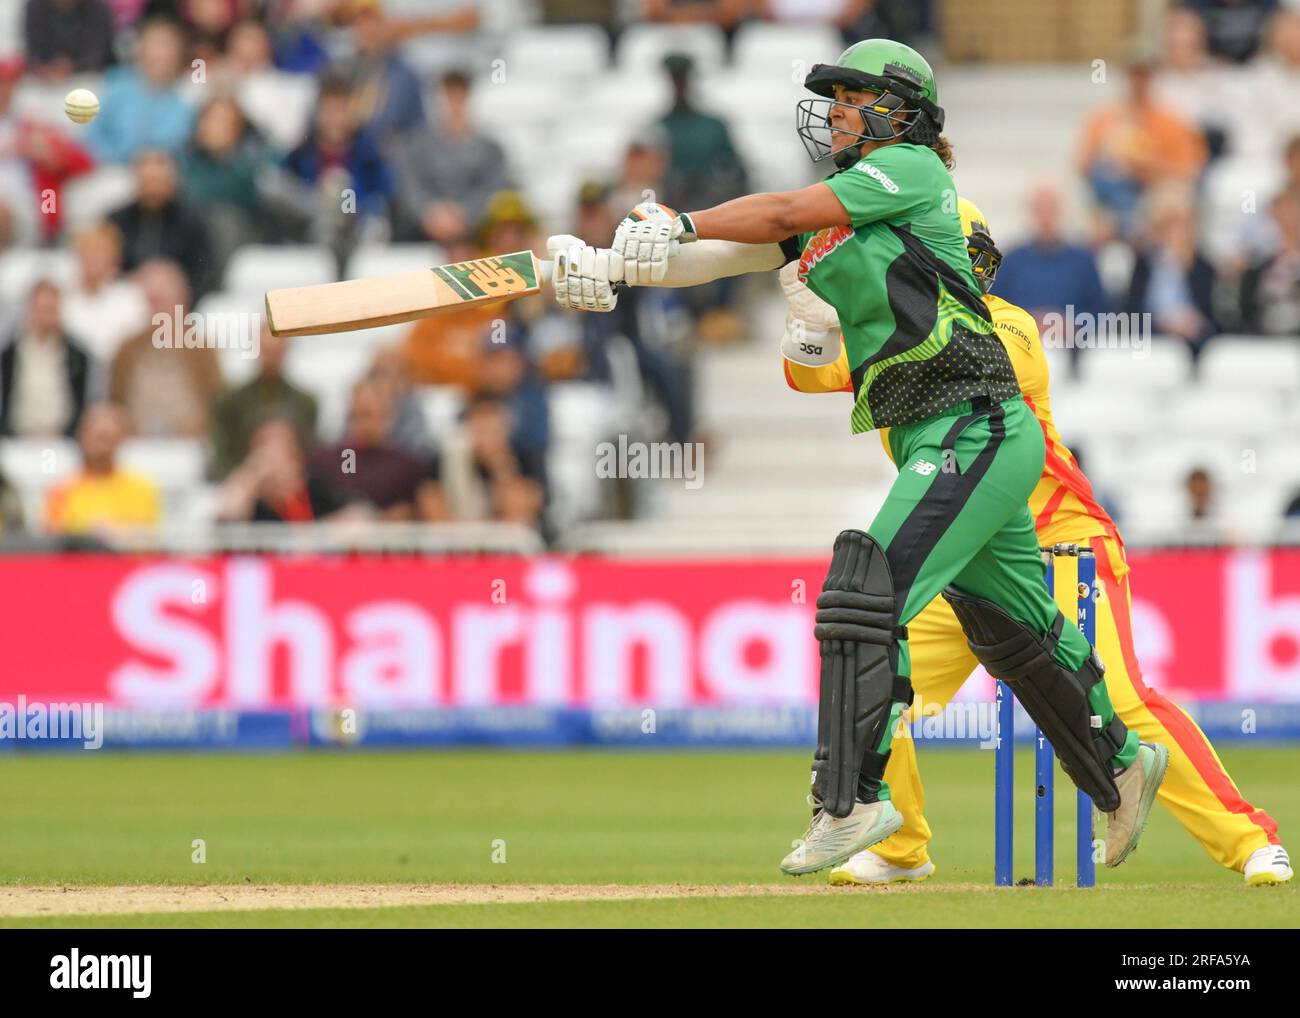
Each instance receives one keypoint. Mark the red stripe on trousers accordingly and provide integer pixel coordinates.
(1189, 738)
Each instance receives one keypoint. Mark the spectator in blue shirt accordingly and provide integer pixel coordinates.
(142, 107)
(1049, 272)
(343, 167)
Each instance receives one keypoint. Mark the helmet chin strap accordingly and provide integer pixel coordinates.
(846, 157)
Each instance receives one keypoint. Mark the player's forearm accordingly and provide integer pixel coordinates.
(707, 260)
(771, 217)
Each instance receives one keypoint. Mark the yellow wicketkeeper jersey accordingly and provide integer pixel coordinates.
(1064, 507)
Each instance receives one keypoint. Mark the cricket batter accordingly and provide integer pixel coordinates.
(881, 242)
(1197, 789)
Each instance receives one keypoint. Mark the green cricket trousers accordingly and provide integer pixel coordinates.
(959, 513)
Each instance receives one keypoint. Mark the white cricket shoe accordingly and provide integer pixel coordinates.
(868, 868)
(831, 840)
(1268, 866)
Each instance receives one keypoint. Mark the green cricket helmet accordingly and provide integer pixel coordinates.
(905, 105)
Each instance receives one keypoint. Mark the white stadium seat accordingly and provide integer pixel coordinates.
(387, 259)
(1246, 363)
(42, 102)
(1164, 364)
(33, 466)
(279, 104)
(268, 267)
(642, 47)
(173, 464)
(11, 29)
(93, 197)
(328, 371)
(441, 406)
(21, 268)
(785, 49)
(556, 51)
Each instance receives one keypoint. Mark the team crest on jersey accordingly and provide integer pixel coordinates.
(819, 245)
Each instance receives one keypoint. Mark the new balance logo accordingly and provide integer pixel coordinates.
(923, 467)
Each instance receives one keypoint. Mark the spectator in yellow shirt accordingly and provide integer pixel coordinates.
(102, 500)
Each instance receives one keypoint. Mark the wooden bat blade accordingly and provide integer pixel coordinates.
(402, 297)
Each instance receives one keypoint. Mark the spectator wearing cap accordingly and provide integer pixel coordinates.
(447, 170)
(446, 349)
(142, 106)
(102, 499)
(45, 375)
(159, 223)
(367, 466)
(103, 308)
(1135, 144)
(268, 394)
(704, 168)
(65, 37)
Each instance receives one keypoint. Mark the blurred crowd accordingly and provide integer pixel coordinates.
(203, 101)
(1218, 90)
(274, 122)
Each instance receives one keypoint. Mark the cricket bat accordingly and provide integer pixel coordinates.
(404, 296)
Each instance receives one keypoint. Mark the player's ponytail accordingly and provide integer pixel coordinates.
(943, 149)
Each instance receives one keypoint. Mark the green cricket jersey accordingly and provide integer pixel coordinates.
(916, 329)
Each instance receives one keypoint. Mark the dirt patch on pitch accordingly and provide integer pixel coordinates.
(54, 901)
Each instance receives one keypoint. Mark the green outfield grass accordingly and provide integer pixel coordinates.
(577, 817)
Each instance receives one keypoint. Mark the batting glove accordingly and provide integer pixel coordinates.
(585, 277)
(647, 238)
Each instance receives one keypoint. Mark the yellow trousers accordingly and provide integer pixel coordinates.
(1197, 789)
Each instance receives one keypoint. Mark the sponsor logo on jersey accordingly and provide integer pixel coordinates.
(1019, 334)
(879, 176)
(923, 467)
(819, 245)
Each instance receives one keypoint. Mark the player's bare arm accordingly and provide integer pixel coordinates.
(771, 218)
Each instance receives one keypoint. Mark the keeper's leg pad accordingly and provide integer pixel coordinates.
(1056, 698)
(858, 632)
